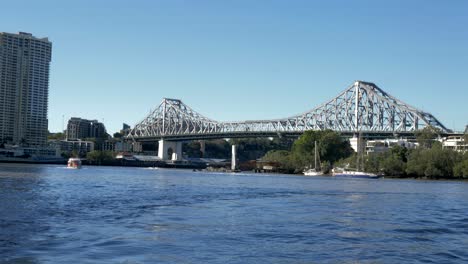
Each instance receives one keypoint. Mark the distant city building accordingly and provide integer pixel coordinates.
(68, 146)
(108, 145)
(137, 147)
(79, 128)
(125, 129)
(121, 146)
(24, 88)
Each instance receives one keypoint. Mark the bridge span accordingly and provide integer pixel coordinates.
(361, 108)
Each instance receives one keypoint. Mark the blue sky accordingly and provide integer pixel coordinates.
(234, 60)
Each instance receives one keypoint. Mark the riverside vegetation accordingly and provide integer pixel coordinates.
(429, 160)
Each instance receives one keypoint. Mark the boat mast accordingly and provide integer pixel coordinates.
(315, 155)
(358, 152)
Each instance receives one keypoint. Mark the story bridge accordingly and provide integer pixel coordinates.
(361, 108)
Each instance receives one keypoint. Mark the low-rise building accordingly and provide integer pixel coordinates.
(121, 146)
(27, 152)
(456, 143)
(68, 146)
(384, 145)
(108, 145)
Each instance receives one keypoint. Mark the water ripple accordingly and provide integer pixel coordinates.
(129, 215)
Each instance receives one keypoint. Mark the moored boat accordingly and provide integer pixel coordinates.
(312, 172)
(358, 172)
(74, 163)
(355, 174)
(316, 171)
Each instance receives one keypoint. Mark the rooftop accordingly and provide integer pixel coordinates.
(24, 35)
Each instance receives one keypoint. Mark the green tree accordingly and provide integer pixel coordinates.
(219, 148)
(426, 136)
(400, 152)
(373, 162)
(254, 148)
(435, 162)
(331, 147)
(461, 169)
(56, 136)
(99, 157)
(393, 166)
(192, 149)
(117, 135)
(283, 157)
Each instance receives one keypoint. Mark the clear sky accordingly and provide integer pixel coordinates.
(234, 60)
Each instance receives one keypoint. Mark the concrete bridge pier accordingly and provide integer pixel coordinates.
(234, 158)
(202, 148)
(170, 150)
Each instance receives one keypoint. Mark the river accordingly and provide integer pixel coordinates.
(50, 214)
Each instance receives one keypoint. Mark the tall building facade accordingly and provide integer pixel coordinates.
(24, 88)
(79, 128)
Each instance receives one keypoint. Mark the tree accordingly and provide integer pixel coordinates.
(393, 166)
(99, 157)
(192, 149)
(373, 162)
(400, 152)
(254, 148)
(461, 169)
(426, 136)
(283, 157)
(331, 147)
(56, 136)
(117, 135)
(432, 163)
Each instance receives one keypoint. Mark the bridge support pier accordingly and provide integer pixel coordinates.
(202, 148)
(170, 150)
(234, 158)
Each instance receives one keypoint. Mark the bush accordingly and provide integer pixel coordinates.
(432, 163)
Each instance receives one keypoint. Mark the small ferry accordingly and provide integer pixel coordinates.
(74, 163)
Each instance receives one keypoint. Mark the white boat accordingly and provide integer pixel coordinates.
(316, 171)
(74, 163)
(312, 172)
(359, 164)
(355, 174)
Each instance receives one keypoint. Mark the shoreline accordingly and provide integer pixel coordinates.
(202, 167)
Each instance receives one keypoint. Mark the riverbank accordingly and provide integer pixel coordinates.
(112, 163)
(204, 168)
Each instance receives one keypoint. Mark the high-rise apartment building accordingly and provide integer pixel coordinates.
(24, 88)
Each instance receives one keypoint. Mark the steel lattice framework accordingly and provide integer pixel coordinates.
(361, 108)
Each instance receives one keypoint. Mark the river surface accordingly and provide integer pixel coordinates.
(50, 214)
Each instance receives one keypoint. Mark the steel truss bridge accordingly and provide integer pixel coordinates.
(362, 108)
